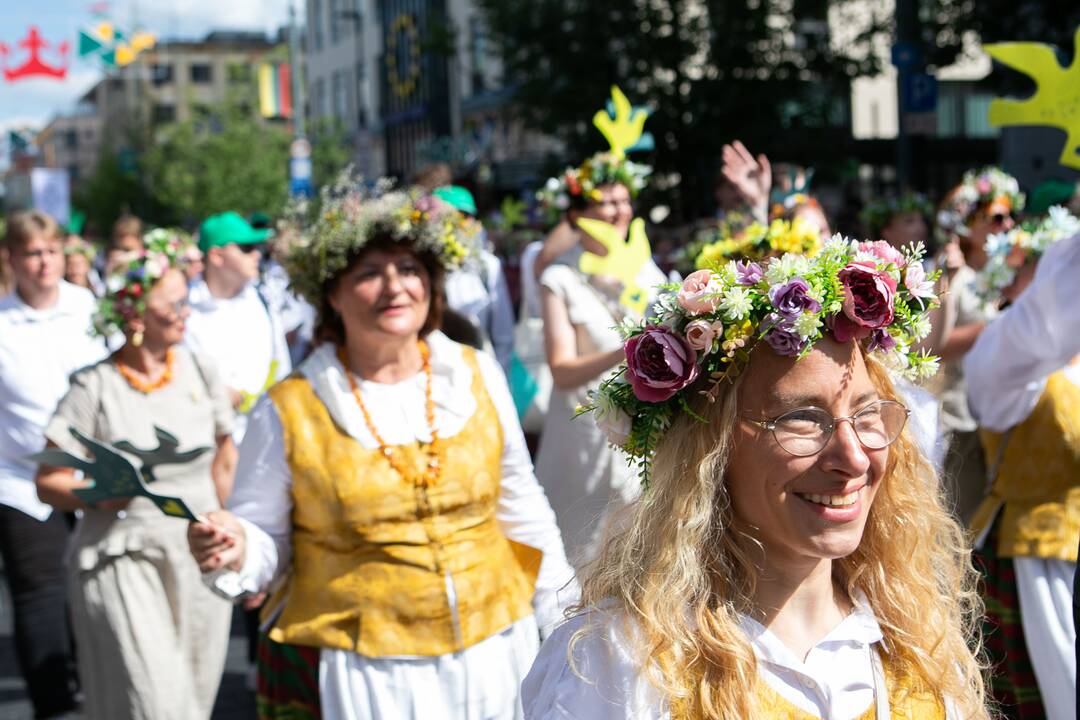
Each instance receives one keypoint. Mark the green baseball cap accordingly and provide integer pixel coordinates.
(457, 197)
(229, 228)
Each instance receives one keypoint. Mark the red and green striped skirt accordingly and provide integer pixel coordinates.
(288, 683)
(1012, 683)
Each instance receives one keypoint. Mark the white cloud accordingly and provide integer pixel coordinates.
(191, 19)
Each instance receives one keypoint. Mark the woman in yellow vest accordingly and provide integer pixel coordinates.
(791, 555)
(1023, 383)
(386, 486)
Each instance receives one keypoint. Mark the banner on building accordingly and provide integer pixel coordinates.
(275, 90)
(50, 191)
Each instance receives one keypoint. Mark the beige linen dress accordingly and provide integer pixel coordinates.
(151, 637)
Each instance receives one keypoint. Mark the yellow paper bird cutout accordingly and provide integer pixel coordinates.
(105, 31)
(1056, 101)
(623, 261)
(247, 399)
(124, 55)
(625, 129)
(143, 40)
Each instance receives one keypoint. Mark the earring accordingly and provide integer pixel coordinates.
(137, 338)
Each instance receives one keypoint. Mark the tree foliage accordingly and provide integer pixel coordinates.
(711, 70)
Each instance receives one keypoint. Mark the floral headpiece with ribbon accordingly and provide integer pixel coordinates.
(1009, 251)
(704, 330)
(756, 242)
(878, 213)
(127, 287)
(977, 190)
(352, 213)
(623, 128)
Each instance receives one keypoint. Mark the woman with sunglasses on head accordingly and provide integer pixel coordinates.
(791, 554)
(984, 203)
(151, 637)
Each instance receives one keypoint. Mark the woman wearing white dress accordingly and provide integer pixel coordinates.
(583, 476)
(387, 486)
(791, 555)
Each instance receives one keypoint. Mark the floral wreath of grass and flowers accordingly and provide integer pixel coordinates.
(82, 247)
(706, 327)
(877, 214)
(126, 288)
(757, 242)
(1009, 251)
(351, 212)
(977, 189)
(604, 168)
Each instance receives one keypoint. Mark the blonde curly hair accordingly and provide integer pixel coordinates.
(673, 567)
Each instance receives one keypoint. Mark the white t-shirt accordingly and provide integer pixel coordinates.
(39, 350)
(241, 336)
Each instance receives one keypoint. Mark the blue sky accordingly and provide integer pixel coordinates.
(34, 101)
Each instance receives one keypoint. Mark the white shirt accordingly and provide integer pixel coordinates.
(1037, 335)
(242, 335)
(481, 294)
(39, 350)
(836, 680)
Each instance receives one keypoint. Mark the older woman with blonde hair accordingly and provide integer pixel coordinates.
(791, 555)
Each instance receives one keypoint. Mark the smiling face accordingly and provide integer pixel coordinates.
(383, 292)
(166, 314)
(805, 509)
(994, 218)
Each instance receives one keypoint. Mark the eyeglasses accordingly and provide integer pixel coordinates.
(1000, 218)
(806, 431)
(176, 307)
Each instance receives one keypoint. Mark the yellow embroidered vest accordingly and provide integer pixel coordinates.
(381, 567)
(1038, 478)
(904, 703)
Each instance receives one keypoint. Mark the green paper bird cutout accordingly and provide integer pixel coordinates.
(623, 261)
(115, 477)
(1056, 102)
(624, 129)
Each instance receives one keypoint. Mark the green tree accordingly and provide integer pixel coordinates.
(223, 160)
(330, 151)
(113, 190)
(765, 71)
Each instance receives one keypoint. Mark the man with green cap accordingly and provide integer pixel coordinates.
(231, 322)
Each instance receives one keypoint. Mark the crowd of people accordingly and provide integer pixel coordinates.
(778, 507)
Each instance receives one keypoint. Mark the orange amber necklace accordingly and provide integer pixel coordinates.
(146, 386)
(432, 470)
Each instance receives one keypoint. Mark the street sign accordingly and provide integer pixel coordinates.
(919, 93)
(906, 55)
(300, 168)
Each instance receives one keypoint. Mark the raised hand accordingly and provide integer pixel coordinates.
(751, 177)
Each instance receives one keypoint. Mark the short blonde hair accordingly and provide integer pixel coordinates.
(673, 567)
(24, 225)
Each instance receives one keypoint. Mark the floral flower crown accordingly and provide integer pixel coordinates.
(1009, 251)
(81, 247)
(977, 190)
(756, 242)
(351, 214)
(707, 327)
(879, 213)
(601, 169)
(127, 287)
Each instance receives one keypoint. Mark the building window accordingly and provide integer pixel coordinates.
(320, 98)
(71, 139)
(335, 21)
(340, 90)
(361, 99)
(202, 73)
(316, 25)
(161, 74)
(238, 73)
(163, 113)
(73, 173)
(477, 54)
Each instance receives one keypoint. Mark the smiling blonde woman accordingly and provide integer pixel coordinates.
(791, 556)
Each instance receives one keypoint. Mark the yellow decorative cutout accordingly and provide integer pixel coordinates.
(143, 41)
(623, 261)
(247, 400)
(625, 129)
(105, 31)
(124, 55)
(1056, 101)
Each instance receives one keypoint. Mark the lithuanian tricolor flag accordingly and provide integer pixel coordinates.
(275, 90)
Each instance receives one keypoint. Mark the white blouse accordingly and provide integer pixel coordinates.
(835, 681)
(1036, 336)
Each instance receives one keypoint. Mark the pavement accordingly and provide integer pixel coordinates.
(234, 701)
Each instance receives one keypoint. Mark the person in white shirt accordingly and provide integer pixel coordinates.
(44, 338)
(791, 554)
(231, 323)
(1023, 386)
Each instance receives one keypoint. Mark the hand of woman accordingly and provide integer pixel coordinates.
(751, 177)
(218, 543)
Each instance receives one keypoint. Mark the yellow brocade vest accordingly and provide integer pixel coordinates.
(1038, 478)
(381, 567)
(904, 704)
